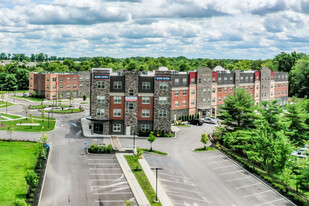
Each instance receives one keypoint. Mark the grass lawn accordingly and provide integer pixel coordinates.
(3, 104)
(15, 159)
(26, 128)
(75, 110)
(10, 116)
(19, 91)
(154, 151)
(83, 103)
(142, 180)
(203, 150)
(36, 99)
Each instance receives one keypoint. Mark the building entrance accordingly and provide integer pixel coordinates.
(98, 128)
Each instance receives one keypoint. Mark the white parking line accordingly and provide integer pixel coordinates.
(191, 184)
(266, 203)
(102, 180)
(223, 167)
(226, 173)
(109, 193)
(98, 201)
(90, 164)
(213, 157)
(164, 174)
(219, 161)
(175, 188)
(248, 185)
(106, 168)
(189, 198)
(258, 193)
(107, 174)
(102, 159)
(238, 179)
(108, 186)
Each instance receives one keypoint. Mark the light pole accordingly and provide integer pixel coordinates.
(134, 142)
(156, 169)
(48, 120)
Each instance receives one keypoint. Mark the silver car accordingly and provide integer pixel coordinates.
(210, 120)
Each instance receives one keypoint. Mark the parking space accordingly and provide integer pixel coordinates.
(108, 185)
(245, 185)
(178, 186)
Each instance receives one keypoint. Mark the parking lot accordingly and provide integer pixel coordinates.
(108, 185)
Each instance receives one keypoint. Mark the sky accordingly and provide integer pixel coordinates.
(216, 29)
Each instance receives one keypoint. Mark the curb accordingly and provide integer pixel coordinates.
(256, 177)
(49, 155)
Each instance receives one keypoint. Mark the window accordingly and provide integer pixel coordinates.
(61, 79)
(117, 112)
(278, 85)
(219, 79)
(162, 100)
(192, 91)
(74, 86)
(54, 79)
(192, 102)
(257, 95)
(219, 90)
(61, 86)
(100, 99)
(271, 94)
(162, 113)
(145, 100)
(219, 99)
(184, 103)
(69, 79)
(231, 89)
(117, 85)
(145, 85)
(30, 78)
(204, 100)
(54, 95)
(286, 91)
(176, 93)
(225, 89)
(192, 81)
(47, 79)
(30, 84)
(163, 85)
(131, 105)
(257, 77)
(209, 79)
(101, 84)
(47, 95)
(199, 80)
(47, 86)
(177, 81)
(117, 99)
(231, 78)
(184, 93)
(204, 91)
(257, 86)
(251, 87)
(176, 104)
(246, 78)
(131, 92)
(213, 79)
(145, 113)
(213, 90)
(80, 85)
(241, 78)
(251, 77)
(208, 100)
(184, 80)
(213, 100)
(225, 79)
(100, 112)
(74, 79)
(116, 127)
(68, 86)
(145, 127)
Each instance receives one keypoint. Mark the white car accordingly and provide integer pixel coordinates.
(302, 152)
(210, 120)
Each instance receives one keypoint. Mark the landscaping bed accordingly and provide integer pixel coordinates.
(100, 149)
(142, 180)
(154, 151)
(67, 111)
(202, 149)
(3, 104)
(36, 99)
(43, 125)
(10, 116)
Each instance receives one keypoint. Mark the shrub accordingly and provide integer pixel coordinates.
(109, 148)
(32, 179)
(19, 202)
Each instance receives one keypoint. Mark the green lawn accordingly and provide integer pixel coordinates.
(83, 103)
(36, 99)
(10, 116)
(75, 110)
(12, 124)
(154, 151)
(3, 104)
(18, 91)
(142, 180)
(15, 159)
(203, 150)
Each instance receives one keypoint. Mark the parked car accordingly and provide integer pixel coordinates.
(25, 95)
(210, 120)
(302, 152)
(196, 122)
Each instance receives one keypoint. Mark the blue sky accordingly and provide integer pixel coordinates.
(243, 29)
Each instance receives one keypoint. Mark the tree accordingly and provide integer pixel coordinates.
(151, 139)
(287, 61)
(11, 83)
(41, 57)
(31, 120)
(286, 177)
(23, 78)
(204, 139)
(60, 97)
(10, 132)
(238, 111)
(138, 154)
(43, 114)
(33, 93)
(26, 110)
(298, 129)
(84, 97)
(32, 179)
(299, 81)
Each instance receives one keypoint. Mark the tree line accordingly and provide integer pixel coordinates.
(297, 64)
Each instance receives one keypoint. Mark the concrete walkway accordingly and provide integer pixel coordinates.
(138, 192)
(162, 196)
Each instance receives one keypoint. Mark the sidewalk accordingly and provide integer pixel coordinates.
(138, 192)
(162, 196)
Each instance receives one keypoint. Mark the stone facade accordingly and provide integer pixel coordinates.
(203, 87)
(265, 83)
(84, 83)
(159, 122)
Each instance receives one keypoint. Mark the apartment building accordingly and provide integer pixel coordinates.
(51, 85)
(126, 102)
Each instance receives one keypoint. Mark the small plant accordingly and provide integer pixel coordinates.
(32, 179)
(204, 139)
(19, 202)
(139, 153)
(151, 139)
(128, 203)
(84, 97)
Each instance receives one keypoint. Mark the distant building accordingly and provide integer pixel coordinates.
(125, 102)
(53, 85)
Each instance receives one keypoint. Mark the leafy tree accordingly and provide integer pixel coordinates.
(41, 57)
(43, 114)
(31, 120)
(287, 61)
(84, 97)
(138, 154)
(10, 132)
(32, 179)
(243, 65)
(204, 139)
(26, 110)
(299, 78)
(151, 139)
(131, 66)
(60, 97)
(23, 78)
(286, 176)
(2, 80)
(11, 82)
(298, 130)
(238, 110)
(33, 93)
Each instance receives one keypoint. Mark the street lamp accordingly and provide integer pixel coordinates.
(48, 120)
(134, 141)
(156, 169)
